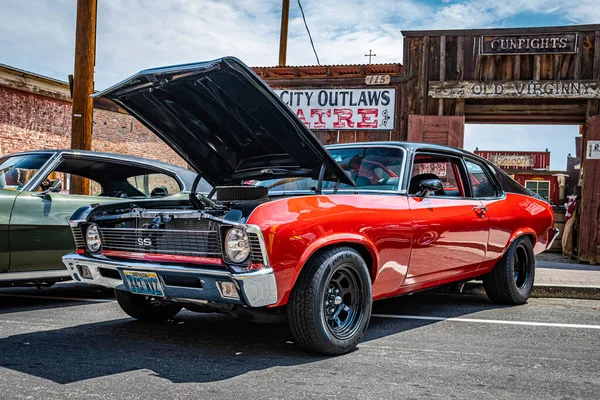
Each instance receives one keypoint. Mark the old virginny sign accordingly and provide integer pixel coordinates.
(515, 89)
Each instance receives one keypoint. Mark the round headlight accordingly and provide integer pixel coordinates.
(92, 239)
(237, 247)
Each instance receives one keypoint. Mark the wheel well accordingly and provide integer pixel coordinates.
(531, 238)
(360, 249)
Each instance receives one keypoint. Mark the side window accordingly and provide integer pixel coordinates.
(17, 171)
(481, 181)
(155, 185)
(446, 169)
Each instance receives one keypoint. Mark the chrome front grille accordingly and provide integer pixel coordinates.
(78, 237)
(163, 241)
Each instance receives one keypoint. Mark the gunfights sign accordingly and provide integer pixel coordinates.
(561, 43)
(337, 109)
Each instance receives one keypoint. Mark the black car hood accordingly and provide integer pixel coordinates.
(225, 122)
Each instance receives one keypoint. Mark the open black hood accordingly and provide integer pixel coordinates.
(225, 122)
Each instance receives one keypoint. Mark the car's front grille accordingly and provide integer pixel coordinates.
(78, 237)
(163, 241)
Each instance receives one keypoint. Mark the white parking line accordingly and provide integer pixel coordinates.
(57, 298)
(487, 321)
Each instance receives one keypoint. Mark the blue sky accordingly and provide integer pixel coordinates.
(39, 36)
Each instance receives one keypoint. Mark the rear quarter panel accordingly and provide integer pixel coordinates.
(514, 216)
(295, 228)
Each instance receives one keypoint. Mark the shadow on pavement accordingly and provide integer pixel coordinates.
(18, 299)
(194, 347)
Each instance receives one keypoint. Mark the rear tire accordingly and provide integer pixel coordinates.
(330, 306)
(511, 280)
(145, 308)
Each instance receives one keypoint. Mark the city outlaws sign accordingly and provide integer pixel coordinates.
(337, 109)
(515, 89)
(530, 44)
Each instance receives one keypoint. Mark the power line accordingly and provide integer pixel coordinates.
(309, 35)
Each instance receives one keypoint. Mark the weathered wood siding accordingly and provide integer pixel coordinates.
(455, 56)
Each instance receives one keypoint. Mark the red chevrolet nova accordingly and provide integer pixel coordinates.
(319, 236)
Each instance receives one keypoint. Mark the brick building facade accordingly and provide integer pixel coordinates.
(35, 113)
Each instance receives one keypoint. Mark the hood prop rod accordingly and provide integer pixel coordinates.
(202, 202)
(321, 177)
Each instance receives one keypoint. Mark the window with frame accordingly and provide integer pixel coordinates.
(155, 185)
(446, 169)
(540, 187)
(482, 183)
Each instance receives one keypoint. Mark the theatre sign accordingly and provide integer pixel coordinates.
(515, 89)
(343, 109)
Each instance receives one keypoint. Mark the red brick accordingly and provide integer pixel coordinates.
(32, 122)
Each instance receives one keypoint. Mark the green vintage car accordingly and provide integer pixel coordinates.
(35, 203)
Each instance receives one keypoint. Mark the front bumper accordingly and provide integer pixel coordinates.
(180, 282)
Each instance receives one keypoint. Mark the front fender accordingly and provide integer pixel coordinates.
(295, 228)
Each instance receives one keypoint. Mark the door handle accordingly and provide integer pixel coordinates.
(480, 210)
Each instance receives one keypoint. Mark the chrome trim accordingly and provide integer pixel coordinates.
(387, 146)
(258, 288)
(34, 275)
(554, 236)
(58, 157)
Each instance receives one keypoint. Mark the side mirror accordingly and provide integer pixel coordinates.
(428, 186)
(55, 185)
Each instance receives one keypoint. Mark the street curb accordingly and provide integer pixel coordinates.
(566, 291)
(548, 291)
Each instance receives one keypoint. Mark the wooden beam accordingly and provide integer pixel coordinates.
(83, 85)
(442, 71)
(590, 218)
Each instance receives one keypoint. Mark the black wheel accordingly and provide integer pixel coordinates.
(330, 306)
(511, 280)
(145, 308)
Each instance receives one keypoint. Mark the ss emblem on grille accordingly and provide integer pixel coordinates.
(144, 242)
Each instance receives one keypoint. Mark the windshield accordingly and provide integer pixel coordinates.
(372, 168)
(16, 171)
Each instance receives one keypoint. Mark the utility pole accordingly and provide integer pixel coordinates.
(285, 16)
(83, 85)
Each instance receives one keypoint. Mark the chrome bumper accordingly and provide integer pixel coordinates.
(255, 289)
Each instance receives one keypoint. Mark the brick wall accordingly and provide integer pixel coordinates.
(33, 122)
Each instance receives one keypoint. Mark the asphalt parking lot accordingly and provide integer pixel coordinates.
(70, 342)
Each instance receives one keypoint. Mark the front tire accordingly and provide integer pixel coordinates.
(145, 308)
(511, 280)
(330, 306)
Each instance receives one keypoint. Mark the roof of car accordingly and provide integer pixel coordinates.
(412, 146)
(186, 175)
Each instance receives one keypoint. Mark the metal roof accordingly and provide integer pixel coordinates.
(328, 71)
